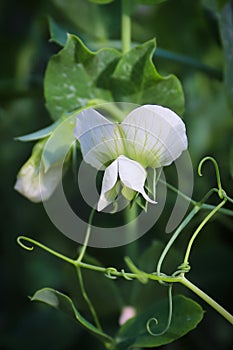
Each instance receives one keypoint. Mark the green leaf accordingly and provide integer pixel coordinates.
(58, 34)
(40, 134)
(136, 80)
(76, 77)
(63, 303)
(226, 27)
(186, 316)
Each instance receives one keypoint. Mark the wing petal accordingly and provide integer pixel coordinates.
(99, 138)
(110, 187)
(155, 135)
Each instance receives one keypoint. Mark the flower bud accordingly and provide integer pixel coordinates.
(126, 313)
(29, 180)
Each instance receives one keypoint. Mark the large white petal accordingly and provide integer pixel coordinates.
(99, 138)
(155, 135)
(109, 189)
(133, 175)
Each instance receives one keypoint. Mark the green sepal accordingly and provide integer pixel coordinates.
(40, 134)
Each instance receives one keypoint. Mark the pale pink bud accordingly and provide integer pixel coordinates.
(126, 313)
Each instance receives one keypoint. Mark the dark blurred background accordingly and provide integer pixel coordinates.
(189, 43)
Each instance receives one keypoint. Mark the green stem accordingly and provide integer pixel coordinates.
(128, 276)
(130, 218)
(79, 272)
(88, 233)
(208, 217)
(111, 271)
(86, 298)
(207, 299)
(125, 25)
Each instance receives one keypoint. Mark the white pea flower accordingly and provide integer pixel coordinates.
(150, 136)
(29, 182)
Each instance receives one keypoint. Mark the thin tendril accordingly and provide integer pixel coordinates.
(194, 211)
(221, 192)
(203, 223)
(197, 206)
(124, 274)
(182, 269)
(207, 195)
(109, 271)
(42, 246)
(169, 319)
(24, 246)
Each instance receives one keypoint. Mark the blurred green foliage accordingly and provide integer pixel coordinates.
(196, 30)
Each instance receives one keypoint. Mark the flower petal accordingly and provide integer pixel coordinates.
(109, 188)
(155, 135)
(99, 138)
(133, 175)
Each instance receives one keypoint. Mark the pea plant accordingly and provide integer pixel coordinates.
(115, 115)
